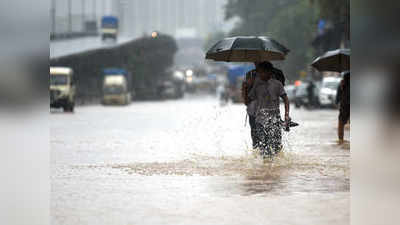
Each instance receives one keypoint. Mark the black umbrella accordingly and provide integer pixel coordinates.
(336, 61)
(247, 49)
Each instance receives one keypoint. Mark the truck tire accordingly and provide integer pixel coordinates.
(69, 107)
(72, 106)
(65, 107)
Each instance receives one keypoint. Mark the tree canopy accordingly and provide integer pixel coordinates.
(293, 23)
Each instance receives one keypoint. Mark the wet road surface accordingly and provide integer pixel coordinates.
(189, 162)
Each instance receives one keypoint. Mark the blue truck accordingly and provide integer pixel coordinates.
(109, 27)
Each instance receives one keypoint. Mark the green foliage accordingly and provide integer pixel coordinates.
(334, 11)
(290, 22)
(337, 12)
(295, 27)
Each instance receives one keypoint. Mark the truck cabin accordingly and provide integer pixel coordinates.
(115, 82)
(109, 24)
(114, 85)
(61, 76)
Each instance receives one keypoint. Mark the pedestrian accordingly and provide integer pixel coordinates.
(266, 92)
(343, 99)
(310, 94)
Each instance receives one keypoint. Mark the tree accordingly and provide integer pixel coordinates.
(290, 22)
(338, 13)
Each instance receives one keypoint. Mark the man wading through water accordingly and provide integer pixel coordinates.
(261, 95)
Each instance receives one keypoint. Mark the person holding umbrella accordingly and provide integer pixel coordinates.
(265, 93)
(343, 99)
(338, 61)
(256, 49)
(247, 85)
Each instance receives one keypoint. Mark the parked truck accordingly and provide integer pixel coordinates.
(116, 86)
(62, 88)
(109, 27)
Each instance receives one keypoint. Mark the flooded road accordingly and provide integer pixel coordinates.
(189, 162)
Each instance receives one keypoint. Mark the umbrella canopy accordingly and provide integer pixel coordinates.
(336, 61)
(247, 49)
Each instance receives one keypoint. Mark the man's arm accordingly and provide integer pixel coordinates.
(246, 84)
(244, 92)
(286, 101)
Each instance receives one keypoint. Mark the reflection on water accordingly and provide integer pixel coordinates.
(285, 173)
(185, 162)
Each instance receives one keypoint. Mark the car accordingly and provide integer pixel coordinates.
(290, 91)
(170, 90)
(328, 91)
(301, 95)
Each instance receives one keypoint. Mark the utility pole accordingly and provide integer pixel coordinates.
(83, 15)
(103, 8)
(167, 22)
(94, 11)
(136, 18)
(53, 16)
(158, 25)
(176, 16)
(69, 17)
(150, 28)
(120, 15)
(121, 8)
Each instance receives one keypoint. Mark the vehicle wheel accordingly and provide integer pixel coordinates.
(126, 100)
(296, 105)
(69, 107)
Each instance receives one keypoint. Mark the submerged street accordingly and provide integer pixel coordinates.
(189, 161)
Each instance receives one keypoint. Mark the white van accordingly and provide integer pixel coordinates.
(328, 91)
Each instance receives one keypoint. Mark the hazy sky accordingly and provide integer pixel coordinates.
(144, 16)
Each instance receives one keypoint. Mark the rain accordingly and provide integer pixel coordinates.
(200, 112)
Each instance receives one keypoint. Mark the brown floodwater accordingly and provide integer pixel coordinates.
(189, 162)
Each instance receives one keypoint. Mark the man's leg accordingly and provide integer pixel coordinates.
(252, 122)
(340, 130)
(344, 116)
